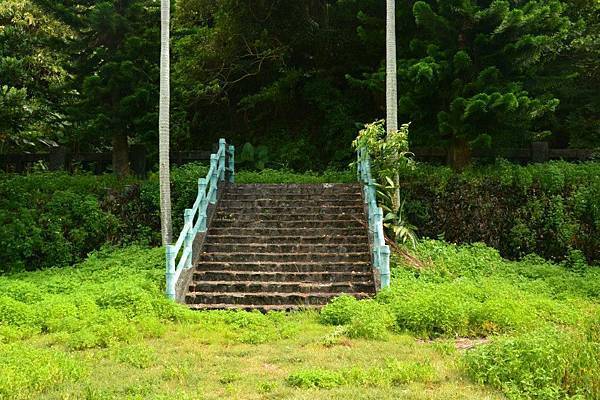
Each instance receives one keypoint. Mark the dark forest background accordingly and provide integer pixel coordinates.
(290, 82)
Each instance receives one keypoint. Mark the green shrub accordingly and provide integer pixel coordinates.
(315, 378)
(394, 373)
(544, 364)
(339, 311)
(469, 291)
(50, 219)
(370, 320)
(26, 372)
(136, 355)
(548, 209)
(115, 296)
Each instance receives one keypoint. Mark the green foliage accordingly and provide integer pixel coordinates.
(389, 154)
(114, 74)
(394, 218)
(470, 291)
(138, 356)
(253, 158)
(112, 297)
(26, 371)
(546, 314)
(394, 373)
(543, 364)
(365, 319)
(273, 74)
(52, 219)
(550, 209)
(339, 311)
(31, 77)
(465, 70)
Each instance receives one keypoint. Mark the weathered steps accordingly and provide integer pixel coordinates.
(281, 287)
(350, 230)
(279, 239)
(322, 223)
(278, 257)
(283, 247)
(248, 216)
(285, 266)
(267, 298)
(282, 276)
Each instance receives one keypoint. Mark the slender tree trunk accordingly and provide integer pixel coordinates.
(459, 154)
(163, 126)
(120, 154)
(391, 86)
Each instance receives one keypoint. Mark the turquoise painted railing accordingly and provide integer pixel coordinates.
(381, 251)
(195, 218)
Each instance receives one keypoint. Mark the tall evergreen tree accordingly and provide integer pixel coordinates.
(32, 76)
(114, 61)
(466, 71)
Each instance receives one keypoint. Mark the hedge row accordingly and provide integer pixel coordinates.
(551, 209)
(54, 219)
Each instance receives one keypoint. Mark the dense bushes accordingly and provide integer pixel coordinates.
(470, 291)
(550, 209)
(55, 219)
(546, 314)
(543, 364)
(112, 297)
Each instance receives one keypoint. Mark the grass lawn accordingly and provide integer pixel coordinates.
(463, 324)
(206, 361)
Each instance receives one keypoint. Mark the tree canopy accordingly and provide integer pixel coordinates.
(294, 80)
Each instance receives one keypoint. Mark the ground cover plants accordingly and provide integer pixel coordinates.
(464, 324)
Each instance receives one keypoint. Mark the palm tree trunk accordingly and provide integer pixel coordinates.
(391, 87)
(163, 126)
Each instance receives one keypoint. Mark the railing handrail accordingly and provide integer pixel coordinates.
(207, 194)
(381, 251)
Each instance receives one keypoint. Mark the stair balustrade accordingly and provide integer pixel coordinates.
(380, 251)
(179, 255)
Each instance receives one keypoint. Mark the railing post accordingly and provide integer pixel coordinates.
(231, 164)
(377, 236)
(222, 150)
(188, 218)
(202, 206)
(379, 226)
(170, 289)
(384, 261)
(213, 178)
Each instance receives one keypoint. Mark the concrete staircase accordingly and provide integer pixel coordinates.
(283, 247)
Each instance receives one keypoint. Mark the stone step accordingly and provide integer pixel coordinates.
(286, 266)
(266, 298)
(296, 209)
(327, 188)
(224, 215)
(255, 276)
(216, 247)
(315, 239)
(281, 257)
(324, 224)
(226, 203)
(324, 197)
(253, 307)
(280, 287)
(272, 231)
